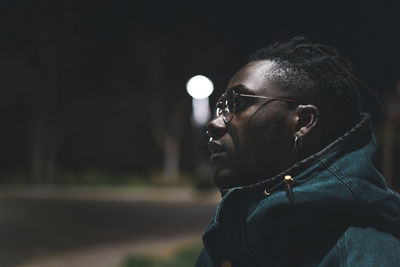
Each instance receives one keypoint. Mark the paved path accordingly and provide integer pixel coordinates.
(44, 227)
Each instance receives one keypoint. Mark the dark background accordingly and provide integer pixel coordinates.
(100, 85)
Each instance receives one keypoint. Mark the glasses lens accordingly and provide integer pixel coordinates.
(225, 106)
(229, 106)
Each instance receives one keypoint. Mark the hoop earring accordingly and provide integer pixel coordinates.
(298, 142)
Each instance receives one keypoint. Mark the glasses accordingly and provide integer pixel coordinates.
(228, 104)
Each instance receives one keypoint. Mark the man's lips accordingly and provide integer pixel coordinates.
(218, 153)
(215, 147)
(218, 159)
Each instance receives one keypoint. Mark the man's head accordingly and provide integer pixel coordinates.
(287, 91)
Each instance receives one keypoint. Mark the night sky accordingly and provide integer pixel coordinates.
(97, 84)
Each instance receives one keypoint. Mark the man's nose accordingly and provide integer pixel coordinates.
(216, 128)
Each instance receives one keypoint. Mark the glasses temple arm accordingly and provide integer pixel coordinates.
(266, 97)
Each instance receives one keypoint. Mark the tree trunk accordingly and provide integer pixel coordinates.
(171, 159)
(37, 149)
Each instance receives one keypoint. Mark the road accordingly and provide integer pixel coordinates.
(35, 227)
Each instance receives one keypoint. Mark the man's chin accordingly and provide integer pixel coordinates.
(232, 177)
(225, 179)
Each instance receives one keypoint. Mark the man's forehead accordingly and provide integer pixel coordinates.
(253, 76)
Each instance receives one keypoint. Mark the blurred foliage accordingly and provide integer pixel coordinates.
(15, 177)
(98, 177)
(204, 183)
(396, 136)
(183, 257)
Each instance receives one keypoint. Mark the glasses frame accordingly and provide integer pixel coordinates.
(225, 106)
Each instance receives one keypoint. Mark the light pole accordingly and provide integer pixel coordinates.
(200, 88)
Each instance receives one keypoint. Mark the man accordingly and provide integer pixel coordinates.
(293, 163)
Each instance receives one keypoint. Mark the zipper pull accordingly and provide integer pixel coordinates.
(288, 185)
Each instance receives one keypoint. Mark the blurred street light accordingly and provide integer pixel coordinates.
(200, 88)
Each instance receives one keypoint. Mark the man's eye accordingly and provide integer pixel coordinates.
(240, 104)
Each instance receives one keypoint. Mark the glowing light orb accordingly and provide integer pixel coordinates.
(199, 87)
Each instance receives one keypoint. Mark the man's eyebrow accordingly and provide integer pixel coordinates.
(241, 89)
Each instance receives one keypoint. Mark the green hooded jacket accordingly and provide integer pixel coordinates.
(337, 211)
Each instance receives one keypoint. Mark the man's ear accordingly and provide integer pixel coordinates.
(308, 116)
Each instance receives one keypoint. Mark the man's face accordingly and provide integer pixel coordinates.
(258, 140)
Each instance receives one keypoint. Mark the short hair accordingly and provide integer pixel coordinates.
(316, 74)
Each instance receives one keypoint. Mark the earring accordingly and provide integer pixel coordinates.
(298, 142)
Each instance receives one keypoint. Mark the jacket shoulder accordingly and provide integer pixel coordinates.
(364, 247)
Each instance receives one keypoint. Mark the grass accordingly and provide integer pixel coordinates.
(181, 257)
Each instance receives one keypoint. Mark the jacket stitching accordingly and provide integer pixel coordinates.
(344, 179)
